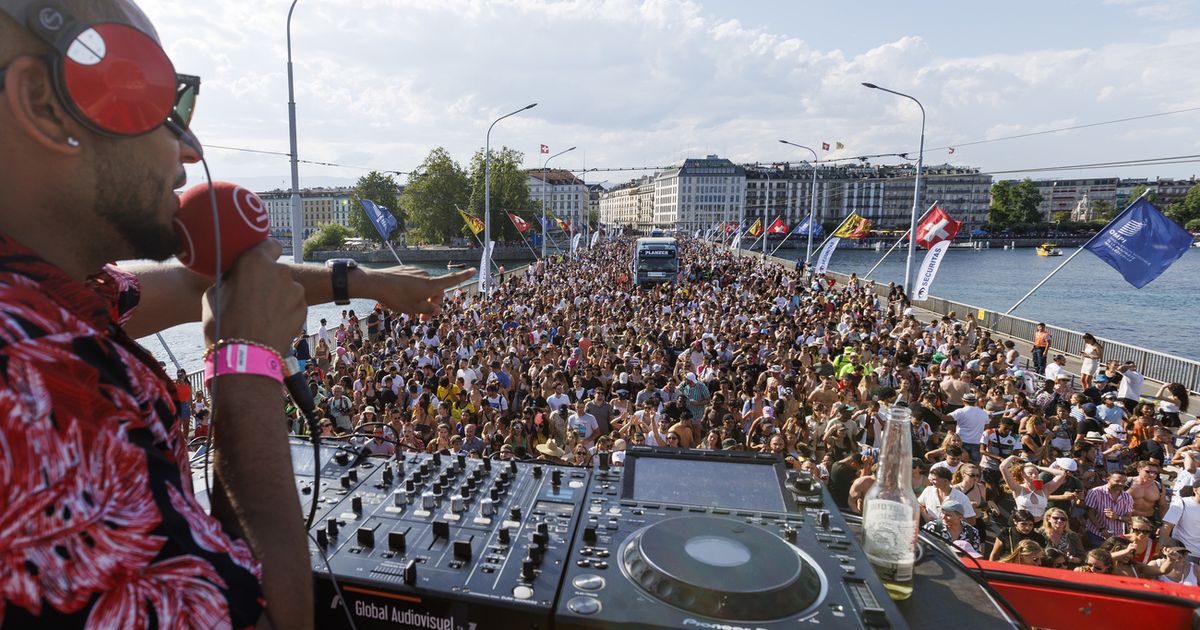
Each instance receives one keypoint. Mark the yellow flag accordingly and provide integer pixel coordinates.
(756, 229)
(475, 223)
(854, 227)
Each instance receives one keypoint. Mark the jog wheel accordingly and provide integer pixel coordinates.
(722, 569)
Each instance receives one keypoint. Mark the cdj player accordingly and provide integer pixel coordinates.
(700, 539)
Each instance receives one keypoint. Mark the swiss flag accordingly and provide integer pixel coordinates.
(937, 227)
(545, 149)
(522, 224)
(778, 227)
(824, 146)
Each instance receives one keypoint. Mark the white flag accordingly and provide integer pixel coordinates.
(826, 254)
(737, 241)
(484, 264)
(575, 242)
(929, 268)
(697, 234)
(595, 238)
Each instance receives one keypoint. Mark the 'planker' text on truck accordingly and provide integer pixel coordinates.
(655, 260)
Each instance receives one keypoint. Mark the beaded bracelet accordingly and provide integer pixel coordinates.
(231, 358)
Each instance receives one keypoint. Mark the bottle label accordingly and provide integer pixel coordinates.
(889, 536)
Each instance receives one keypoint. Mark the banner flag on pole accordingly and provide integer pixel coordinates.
(731, 227)
(778, 227)
(802, 228)
(755, 228)
(854, 228)
(565, 226)
(937, 227)
(475, 223)
(737, 241)
(380, 217)
(595, 238)
(929, 268)
(575, 242)
(484, 271)
(545, 149)
(522, 224)
(826, 254)
(1140, 243)
(697, 235)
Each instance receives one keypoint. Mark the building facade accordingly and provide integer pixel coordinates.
(698, 194)
(565, 196)
(320, 207)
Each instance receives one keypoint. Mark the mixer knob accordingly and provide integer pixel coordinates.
(441, 529)
(346, 481)
(437, 488)
(504, 536)
(353, 474)
(512, 467)
(387, 476)
(515, 514)
(543, 528)
(366, 536)
(341, 457)
(789, 534)
(487, 464)
(603, 461)
(534, 553)
(487, 507)
(428, 501)
(528, 569)
(410, 572)
(456, 504)
(356, 505)
(477, 474)
(589, 534)
(462, 461)
(398, 499)
(537, 471)
(462, 549)
(425, 468)
(823, 519)
(540, 539)
(410, 486)
(322, 538)
(556, 477)
(331, 527)
(470, 484)
(494, 494)
(396, 541)
(400, 470)
(465, 492)
(437, 460)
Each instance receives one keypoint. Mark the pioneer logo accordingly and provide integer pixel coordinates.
(695, 623)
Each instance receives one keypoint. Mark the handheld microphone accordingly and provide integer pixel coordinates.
(242, 223)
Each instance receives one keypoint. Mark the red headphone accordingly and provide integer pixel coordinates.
(113, 78)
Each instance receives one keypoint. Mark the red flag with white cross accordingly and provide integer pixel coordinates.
(937, 227)
(778, 227)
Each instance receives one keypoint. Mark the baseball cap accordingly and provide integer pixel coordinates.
(1088, 409)
(728, 444)
(970, 397)
(950, 505)
(1066, 463)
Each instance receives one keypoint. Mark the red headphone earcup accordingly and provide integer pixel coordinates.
(118, 79)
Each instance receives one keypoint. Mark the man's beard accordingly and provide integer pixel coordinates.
(131, 206)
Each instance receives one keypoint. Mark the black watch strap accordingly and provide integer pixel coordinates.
(341, 285)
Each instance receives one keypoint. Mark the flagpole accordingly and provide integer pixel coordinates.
(898, 241)
(526, 241)
(485, 246)
(835, 231)
(398, 261)
(1077, 252)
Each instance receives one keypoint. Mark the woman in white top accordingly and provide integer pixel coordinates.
(1029, 491)
(1091, 354)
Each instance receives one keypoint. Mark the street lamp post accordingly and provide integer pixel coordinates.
(297, 212)
(812, 203)
(545, 185)
(912, 231)
(487, 192)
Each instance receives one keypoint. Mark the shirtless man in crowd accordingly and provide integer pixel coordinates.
(1149, 500)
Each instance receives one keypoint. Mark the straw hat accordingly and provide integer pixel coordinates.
(551, 448)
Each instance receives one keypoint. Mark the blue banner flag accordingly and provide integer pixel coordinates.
(804, 226)
(1140, 243)
(380, 217)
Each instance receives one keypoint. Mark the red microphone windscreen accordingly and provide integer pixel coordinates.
(244, 223)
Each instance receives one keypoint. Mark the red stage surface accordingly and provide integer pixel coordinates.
(1065, 600)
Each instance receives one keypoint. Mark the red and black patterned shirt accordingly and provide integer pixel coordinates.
(99, 527)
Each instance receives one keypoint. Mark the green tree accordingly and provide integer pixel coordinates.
(1014, 204)
(1193, 225)
(510, 192)
(431, 200)
(383, 190)
(1187, 209)
(1062, 216)
(330, 237)
(1137, 191)
(1103, 210)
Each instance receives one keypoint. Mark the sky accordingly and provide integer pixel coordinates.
(647, 83)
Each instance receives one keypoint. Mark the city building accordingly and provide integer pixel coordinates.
(565, 195)
(320, 206)
(699, 193)
(1063, 195)
(630, 205)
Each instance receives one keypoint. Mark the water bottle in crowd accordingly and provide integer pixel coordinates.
(890, 514)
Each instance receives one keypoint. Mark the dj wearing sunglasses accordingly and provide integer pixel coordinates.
(99, 525)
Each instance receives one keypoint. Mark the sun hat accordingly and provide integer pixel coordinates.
(551, 448)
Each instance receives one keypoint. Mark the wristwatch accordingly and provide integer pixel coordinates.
(340, 269)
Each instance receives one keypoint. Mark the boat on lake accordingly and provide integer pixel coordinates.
(1048, 249)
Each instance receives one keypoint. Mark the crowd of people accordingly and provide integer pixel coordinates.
(567, 362)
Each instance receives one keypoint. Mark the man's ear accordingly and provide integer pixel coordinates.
(35, 107)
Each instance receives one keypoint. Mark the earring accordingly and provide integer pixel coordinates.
(72, 142)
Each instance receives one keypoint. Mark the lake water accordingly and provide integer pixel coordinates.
(1088, 296)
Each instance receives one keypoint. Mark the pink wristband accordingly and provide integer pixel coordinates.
(240, 358)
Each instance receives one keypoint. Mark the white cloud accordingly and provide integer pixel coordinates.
(640, 83)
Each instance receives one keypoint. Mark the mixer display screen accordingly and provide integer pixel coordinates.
(747, 486)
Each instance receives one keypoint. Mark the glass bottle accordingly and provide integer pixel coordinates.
(890, 514)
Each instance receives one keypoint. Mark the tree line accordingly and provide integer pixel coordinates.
(1014, 206)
